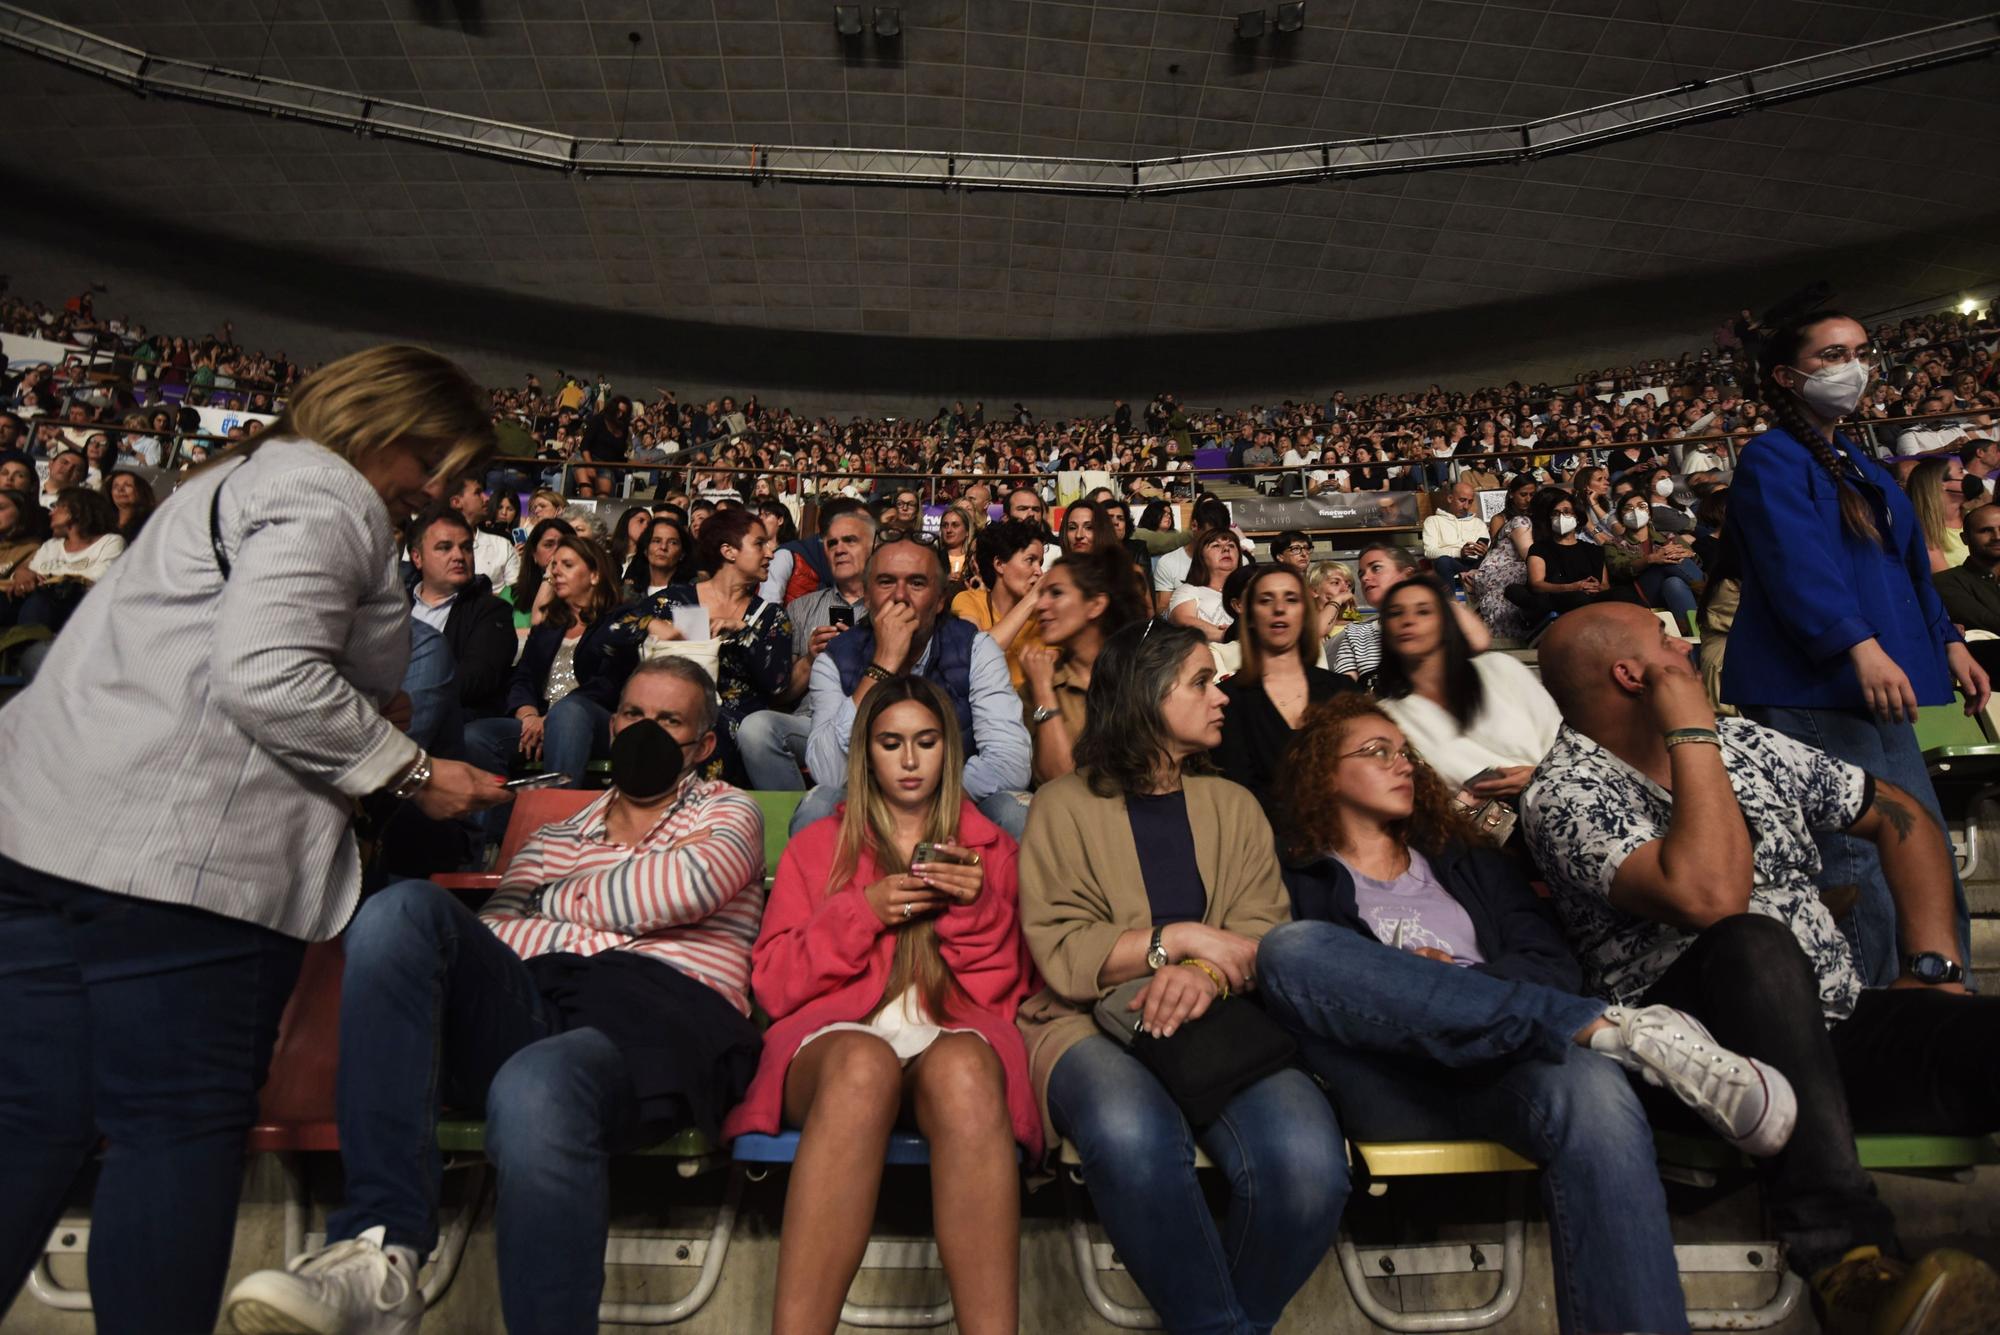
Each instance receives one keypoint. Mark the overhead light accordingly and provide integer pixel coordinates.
(1249, 25)
(847, 20)
(1292, 16)
(888, 21)
(1968, 306)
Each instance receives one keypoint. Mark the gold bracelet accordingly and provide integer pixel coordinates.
(1214, 976)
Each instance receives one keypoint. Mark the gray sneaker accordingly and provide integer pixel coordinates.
(356, 1287)
(1750, 1105)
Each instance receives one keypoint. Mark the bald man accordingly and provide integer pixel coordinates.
(1680, 856)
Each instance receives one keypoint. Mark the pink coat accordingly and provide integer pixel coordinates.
(823, 959)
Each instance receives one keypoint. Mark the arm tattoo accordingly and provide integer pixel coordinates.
(1896, 813)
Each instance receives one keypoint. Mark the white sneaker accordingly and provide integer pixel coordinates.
(1751, 1105)
(354, 1287)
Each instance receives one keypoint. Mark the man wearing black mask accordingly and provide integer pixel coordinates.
(598, 1002)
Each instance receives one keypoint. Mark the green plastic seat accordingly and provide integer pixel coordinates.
(778, 809)
(467, 1136)
(1883, 1153)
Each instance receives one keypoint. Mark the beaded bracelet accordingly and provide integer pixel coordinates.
(1693, 737)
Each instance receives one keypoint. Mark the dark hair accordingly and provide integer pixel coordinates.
(725, 528)
(440, 511)
(1463, 691)
(607, 595)
(1100, 522)
(88, 510)
(835, 508)
(1107, 571)
(1779, 348)
(1714, 508)
(639, 571)
(788, 531)
(1309, 628)
(1233, 590)
(1124, 736)
(529, 582)
(1541, 513)
(1210, 512)
(1286, 539)
(1198, 571)
(142, 509)
(31, 520)
(1000, 541)
(494, 524)
(1154, 513)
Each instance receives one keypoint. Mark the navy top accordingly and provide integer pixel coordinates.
(1165, 841)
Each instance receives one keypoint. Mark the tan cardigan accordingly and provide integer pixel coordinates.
(1081, 889)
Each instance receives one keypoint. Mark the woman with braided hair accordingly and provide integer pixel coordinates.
(1839, 637)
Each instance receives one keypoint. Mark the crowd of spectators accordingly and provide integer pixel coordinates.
(1043, 767)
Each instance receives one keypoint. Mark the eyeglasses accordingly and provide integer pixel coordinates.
(885, 536)
(1837, 355)
(1380, 753)
(1297, 549)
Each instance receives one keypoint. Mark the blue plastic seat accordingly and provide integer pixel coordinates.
(905, 1148)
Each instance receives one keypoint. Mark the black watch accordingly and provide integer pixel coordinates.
(1932, 968)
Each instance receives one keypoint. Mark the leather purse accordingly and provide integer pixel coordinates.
(1207, 1061)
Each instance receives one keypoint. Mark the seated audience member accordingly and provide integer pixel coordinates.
(956, 530)
(1504, 568)
(24, 526)
(1564, 572)
(545, 504)
(1010, 556)
(1083, 522)
(1357, 655)
(1657, 487)
(560, 698)
(773, 741)
(1455, 537)
(494, 558)
(1969, 590)
(1458, 1016)
(1081, 602)
(893, 983)
(1680, 857)
(17, 473)
(1590, 489)
(1935, 496)
(66, 469)
(1170, 569)
(1128, 535)
(1139, 867)
(1468, 714)
(800, 567)
(598, 1002)
(1293, 548)
(530, 597)
(664, 555)
(1198, 604)
(1279, 681)
(83, 542)
(907, 634)
(458, 603)
(131, 496)
(1710, 516)
(1520, 492)
(1331, 584)
(1661, 567)
(758, 670)
(503, 516)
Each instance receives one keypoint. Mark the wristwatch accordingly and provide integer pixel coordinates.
(1932, 968)
(1043, 713)
(1156, 954)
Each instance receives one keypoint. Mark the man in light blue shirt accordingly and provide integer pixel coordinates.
(904, 634)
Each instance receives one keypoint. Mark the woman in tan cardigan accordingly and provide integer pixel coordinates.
(1134, 866)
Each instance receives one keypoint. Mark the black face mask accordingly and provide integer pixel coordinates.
(646, 761)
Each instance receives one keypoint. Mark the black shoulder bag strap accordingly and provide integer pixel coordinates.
(215, 530)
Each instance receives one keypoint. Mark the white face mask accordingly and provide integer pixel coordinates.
(1637, 519)
(1565, 525)
(1833, 391)
(1664, 487)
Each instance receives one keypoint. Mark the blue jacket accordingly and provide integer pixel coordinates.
(602, 665)
(1516, 932)
(1812, 589)
(949, 665)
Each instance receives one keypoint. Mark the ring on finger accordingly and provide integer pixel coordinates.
(907, 910)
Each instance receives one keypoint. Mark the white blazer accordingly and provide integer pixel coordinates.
(1516, 725)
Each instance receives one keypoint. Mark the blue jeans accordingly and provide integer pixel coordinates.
(149, 1025)
(1888, 751)
(1671, 587)
(1276, 1142)
(1008, 810)
(574, 733)
(1449, 568)
(773, 747)
(1417, 1050)
(435, 1010)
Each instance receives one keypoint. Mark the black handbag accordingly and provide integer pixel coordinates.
(1207, 1061)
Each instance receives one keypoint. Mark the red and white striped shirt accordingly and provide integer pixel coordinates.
(690, 893)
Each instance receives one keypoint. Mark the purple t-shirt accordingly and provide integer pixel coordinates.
(1415, 911)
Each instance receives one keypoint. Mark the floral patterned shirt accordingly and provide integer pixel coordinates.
(1586, 811)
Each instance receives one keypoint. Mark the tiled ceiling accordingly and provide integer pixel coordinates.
(1864, 166)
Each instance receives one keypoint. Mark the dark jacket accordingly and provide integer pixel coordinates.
(480, 631)
(602, 665)
(1516, 933)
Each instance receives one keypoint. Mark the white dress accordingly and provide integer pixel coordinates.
(1207, 603)
(902, 1023)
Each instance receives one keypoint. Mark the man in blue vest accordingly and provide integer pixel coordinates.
(905, 634)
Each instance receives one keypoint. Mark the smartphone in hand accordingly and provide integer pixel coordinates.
(553, 779)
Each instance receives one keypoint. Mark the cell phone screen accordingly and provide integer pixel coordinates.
(840, 616)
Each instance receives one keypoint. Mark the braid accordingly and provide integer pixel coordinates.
(1854, 511)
